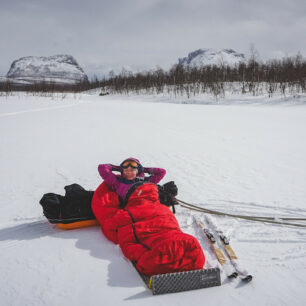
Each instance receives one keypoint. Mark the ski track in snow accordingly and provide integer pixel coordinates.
(39, 110)
(197, 156)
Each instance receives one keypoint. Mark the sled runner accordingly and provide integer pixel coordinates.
(77, 224)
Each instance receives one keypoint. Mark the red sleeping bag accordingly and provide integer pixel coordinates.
(147, 231)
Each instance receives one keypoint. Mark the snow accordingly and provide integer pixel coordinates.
(245, 156)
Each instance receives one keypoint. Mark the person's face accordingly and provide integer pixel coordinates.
(129, 173)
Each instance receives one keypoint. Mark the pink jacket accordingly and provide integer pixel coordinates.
(121, 185)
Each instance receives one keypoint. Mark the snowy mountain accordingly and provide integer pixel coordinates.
(203, 57)
(59, 69)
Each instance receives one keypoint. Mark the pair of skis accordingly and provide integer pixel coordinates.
(220, 246)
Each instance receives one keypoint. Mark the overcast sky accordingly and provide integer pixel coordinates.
(141, 34)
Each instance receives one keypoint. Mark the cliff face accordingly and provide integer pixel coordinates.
(59, 69)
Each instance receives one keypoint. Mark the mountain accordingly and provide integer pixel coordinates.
(204, 57)
(58, 69)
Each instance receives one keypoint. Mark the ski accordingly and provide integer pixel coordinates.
(228, 269)
(224, 241)
(230, 252)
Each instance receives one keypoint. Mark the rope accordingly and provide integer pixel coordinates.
(256, 217)
(250, 218)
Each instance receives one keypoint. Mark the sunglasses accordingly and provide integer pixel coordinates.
(129, 163)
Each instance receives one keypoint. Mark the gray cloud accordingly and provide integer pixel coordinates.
(103, 35)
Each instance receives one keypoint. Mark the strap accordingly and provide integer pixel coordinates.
(124, 202)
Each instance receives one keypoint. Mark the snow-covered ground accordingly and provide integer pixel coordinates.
(242, 155)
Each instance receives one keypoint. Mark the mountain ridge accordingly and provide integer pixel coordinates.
(210, 56)
(58, 69)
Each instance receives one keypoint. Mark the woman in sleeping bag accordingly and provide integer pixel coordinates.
(128, 209)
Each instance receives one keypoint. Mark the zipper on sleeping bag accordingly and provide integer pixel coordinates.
(134, 231)
(124, 202)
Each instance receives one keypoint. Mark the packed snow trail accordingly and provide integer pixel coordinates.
(241, 158)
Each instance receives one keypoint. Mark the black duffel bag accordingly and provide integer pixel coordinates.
(74, 206)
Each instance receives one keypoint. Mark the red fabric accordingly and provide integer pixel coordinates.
(147, 231)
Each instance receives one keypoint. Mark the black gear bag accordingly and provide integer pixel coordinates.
(74, 206)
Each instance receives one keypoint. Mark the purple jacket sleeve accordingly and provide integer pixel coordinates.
(156, 174)
(108, 176)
